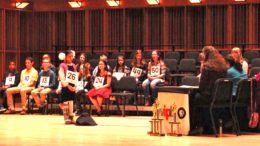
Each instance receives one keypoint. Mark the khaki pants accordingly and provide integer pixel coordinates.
(40, 101)
(22, 90)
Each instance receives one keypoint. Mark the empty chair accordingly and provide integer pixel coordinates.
(256, 62)
(132, 55)
(88, 56)
(187, 65)
(172, 55)
(250, 55)
(190, 81)
(128, 62)
(116, 54)
(97, 55)
(192, 55)
(171, 64)
(126, 88)
(112, 63)
(254, 71)
(225, 53)
(93, 62)
(147, 55)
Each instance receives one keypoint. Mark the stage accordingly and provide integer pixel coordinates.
(50, 130)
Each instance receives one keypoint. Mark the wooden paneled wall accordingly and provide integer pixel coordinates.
(33, 33)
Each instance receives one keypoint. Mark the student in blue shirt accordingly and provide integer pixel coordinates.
(235, 72)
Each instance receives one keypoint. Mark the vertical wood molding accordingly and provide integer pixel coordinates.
(229, 25)
(251, 26)
(105, 25)
(146, 28)
(87, 23)
(185, 36)
(165, 28)
(208, 25)
(69, 28)
(124, 29)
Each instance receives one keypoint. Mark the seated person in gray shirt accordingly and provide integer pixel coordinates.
(44, 85)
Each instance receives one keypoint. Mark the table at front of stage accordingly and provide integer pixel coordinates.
(174, 107)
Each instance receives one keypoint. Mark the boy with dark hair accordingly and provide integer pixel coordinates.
(27, 83)
(11, 79)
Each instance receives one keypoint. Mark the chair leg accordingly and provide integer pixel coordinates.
(213, 122)
(237, 123)
(124, 101)
(107, 106)
(117, 103)
(137, 113)
(233, 120)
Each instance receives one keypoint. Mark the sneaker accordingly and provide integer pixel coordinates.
(9, 111)
(2, 109)
(23, 112)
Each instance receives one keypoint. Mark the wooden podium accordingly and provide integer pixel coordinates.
(174, 109)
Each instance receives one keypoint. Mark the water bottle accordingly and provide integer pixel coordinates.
(220, 128)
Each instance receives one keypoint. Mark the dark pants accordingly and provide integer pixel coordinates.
(3, 94)
(79, 95)
(199, 116)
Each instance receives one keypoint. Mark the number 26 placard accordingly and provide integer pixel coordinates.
(71, 77)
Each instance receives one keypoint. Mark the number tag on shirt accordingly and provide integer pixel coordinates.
(99, 81)
(118, 75)
(136, 72)
(27, 79)
(80, 85)
(155, 71)
(44, 81)
(71, 77)
(9, 80)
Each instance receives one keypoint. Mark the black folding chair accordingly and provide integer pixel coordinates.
(190, 81)
(126, 89)
(221, 99)
(242, 98)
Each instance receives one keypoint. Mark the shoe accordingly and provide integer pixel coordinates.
(9, 111)
(72, 119)
(2, 109)
(99, 113)
(23, 112)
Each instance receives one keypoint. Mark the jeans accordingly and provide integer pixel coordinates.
(150, 85)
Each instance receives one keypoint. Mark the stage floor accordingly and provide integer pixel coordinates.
(50, 130)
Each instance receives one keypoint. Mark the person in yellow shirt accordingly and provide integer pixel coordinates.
(27, 84)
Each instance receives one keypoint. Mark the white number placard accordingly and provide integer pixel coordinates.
(118, 75)
(80, 85)
(27, 79)
(72, 77)
(9, 80)
(136, 72)
(99, 81)
(44, 81)
(155, 71)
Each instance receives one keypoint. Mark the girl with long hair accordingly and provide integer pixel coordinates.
(236, 53)
(102, 86)
(156, 73)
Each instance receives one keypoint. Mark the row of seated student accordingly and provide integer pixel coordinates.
(149, 75)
